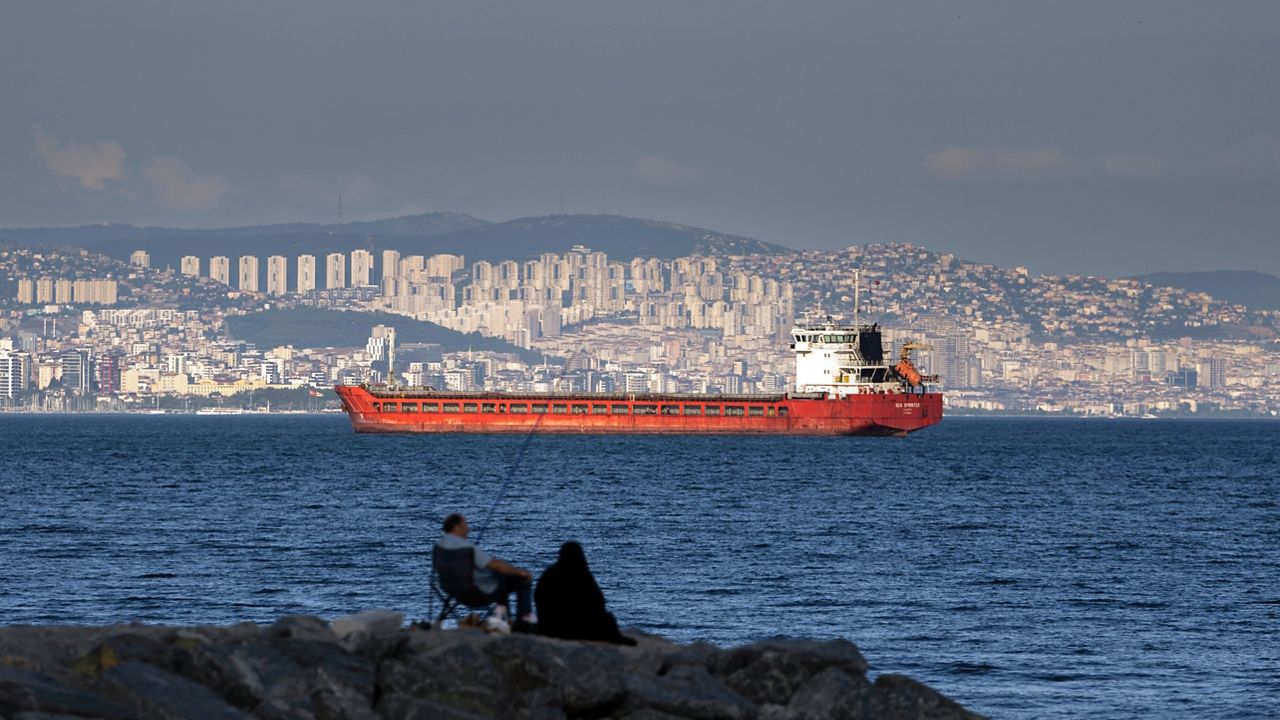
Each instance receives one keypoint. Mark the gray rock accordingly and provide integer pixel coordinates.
(689, 692)
(27, 691)
(772, 670)
(48, 716)
(655, 656)
(114, 650)
(265, 675)
(376, 647)
(403, 707)
(772, 677)
(455, 674)
(156, 693)
(650, 714)
(587, 676)
(333, 700)
(303, 627)
(299, 669)
(770, 711)
(542, 713)
(831, 695)
(370, 622)
(898, 697)
(53, 649)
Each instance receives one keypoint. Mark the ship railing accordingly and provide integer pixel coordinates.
(400, 391)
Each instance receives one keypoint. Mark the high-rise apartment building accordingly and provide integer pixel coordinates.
(85, 292)
(190, 265)
(26, 291)
(361, 267)
(44, 291)
(444, 265)
(220, 269)
(141, 258)
(77, 371)
(108, 369)
(248, 273)
(306, 273)
(411, 271)
(335, 271)
(15, 369)
(390, 266)
(1212, 373)
(390, 263)
(62, 291)
(277, 275)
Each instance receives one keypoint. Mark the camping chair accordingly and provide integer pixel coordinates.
(453, 581)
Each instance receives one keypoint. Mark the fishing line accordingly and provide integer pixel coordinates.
(506, 482)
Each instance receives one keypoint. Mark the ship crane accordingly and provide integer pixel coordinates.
(907, 370)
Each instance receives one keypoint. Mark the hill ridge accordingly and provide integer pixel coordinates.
(618, 236)
(1253, 289)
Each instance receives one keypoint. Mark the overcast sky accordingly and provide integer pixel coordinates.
(1107, 138)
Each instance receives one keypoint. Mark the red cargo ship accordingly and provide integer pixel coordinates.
(844, 386)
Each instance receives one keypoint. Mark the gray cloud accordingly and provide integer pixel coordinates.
(355, 187)
(662, 171)
(93, 165)
(958, 162)
(179, 188)
(1108, 141)
(1133, 167)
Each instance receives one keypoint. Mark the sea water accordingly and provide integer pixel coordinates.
(1027, 568)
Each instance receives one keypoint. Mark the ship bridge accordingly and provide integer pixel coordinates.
(842, 359)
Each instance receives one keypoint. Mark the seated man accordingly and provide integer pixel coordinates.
(494, 577)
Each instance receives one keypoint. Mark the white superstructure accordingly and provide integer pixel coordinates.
(841, 359)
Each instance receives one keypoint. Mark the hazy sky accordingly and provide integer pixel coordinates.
(1100, 137)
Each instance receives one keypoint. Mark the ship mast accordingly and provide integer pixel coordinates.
(391, 357)
(857, 288)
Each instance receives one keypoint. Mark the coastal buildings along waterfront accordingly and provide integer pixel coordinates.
(1003, 340)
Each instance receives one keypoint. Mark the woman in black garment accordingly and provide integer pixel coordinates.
(570, 604)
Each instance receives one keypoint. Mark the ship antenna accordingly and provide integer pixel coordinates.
(391, 357)
(857, 288)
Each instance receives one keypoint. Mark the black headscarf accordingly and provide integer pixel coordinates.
(570, 604)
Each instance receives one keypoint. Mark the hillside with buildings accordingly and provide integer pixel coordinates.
(82, 329)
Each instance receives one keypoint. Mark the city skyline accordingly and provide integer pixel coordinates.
(999, 339)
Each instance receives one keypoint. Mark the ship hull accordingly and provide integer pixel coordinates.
(406, 411)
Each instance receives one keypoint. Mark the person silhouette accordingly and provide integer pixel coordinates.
(570, 604)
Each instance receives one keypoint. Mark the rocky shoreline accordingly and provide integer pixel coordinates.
(367, 667)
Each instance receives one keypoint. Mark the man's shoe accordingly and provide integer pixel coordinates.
(497, 625)
(525, 626)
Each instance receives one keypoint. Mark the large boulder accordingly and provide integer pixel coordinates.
(25, 691)
(771, 671)
(832, 694)
(443, 670)
(584, 679)
(898, 697)
(156, 693)
(687, 691)
(268, 673)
